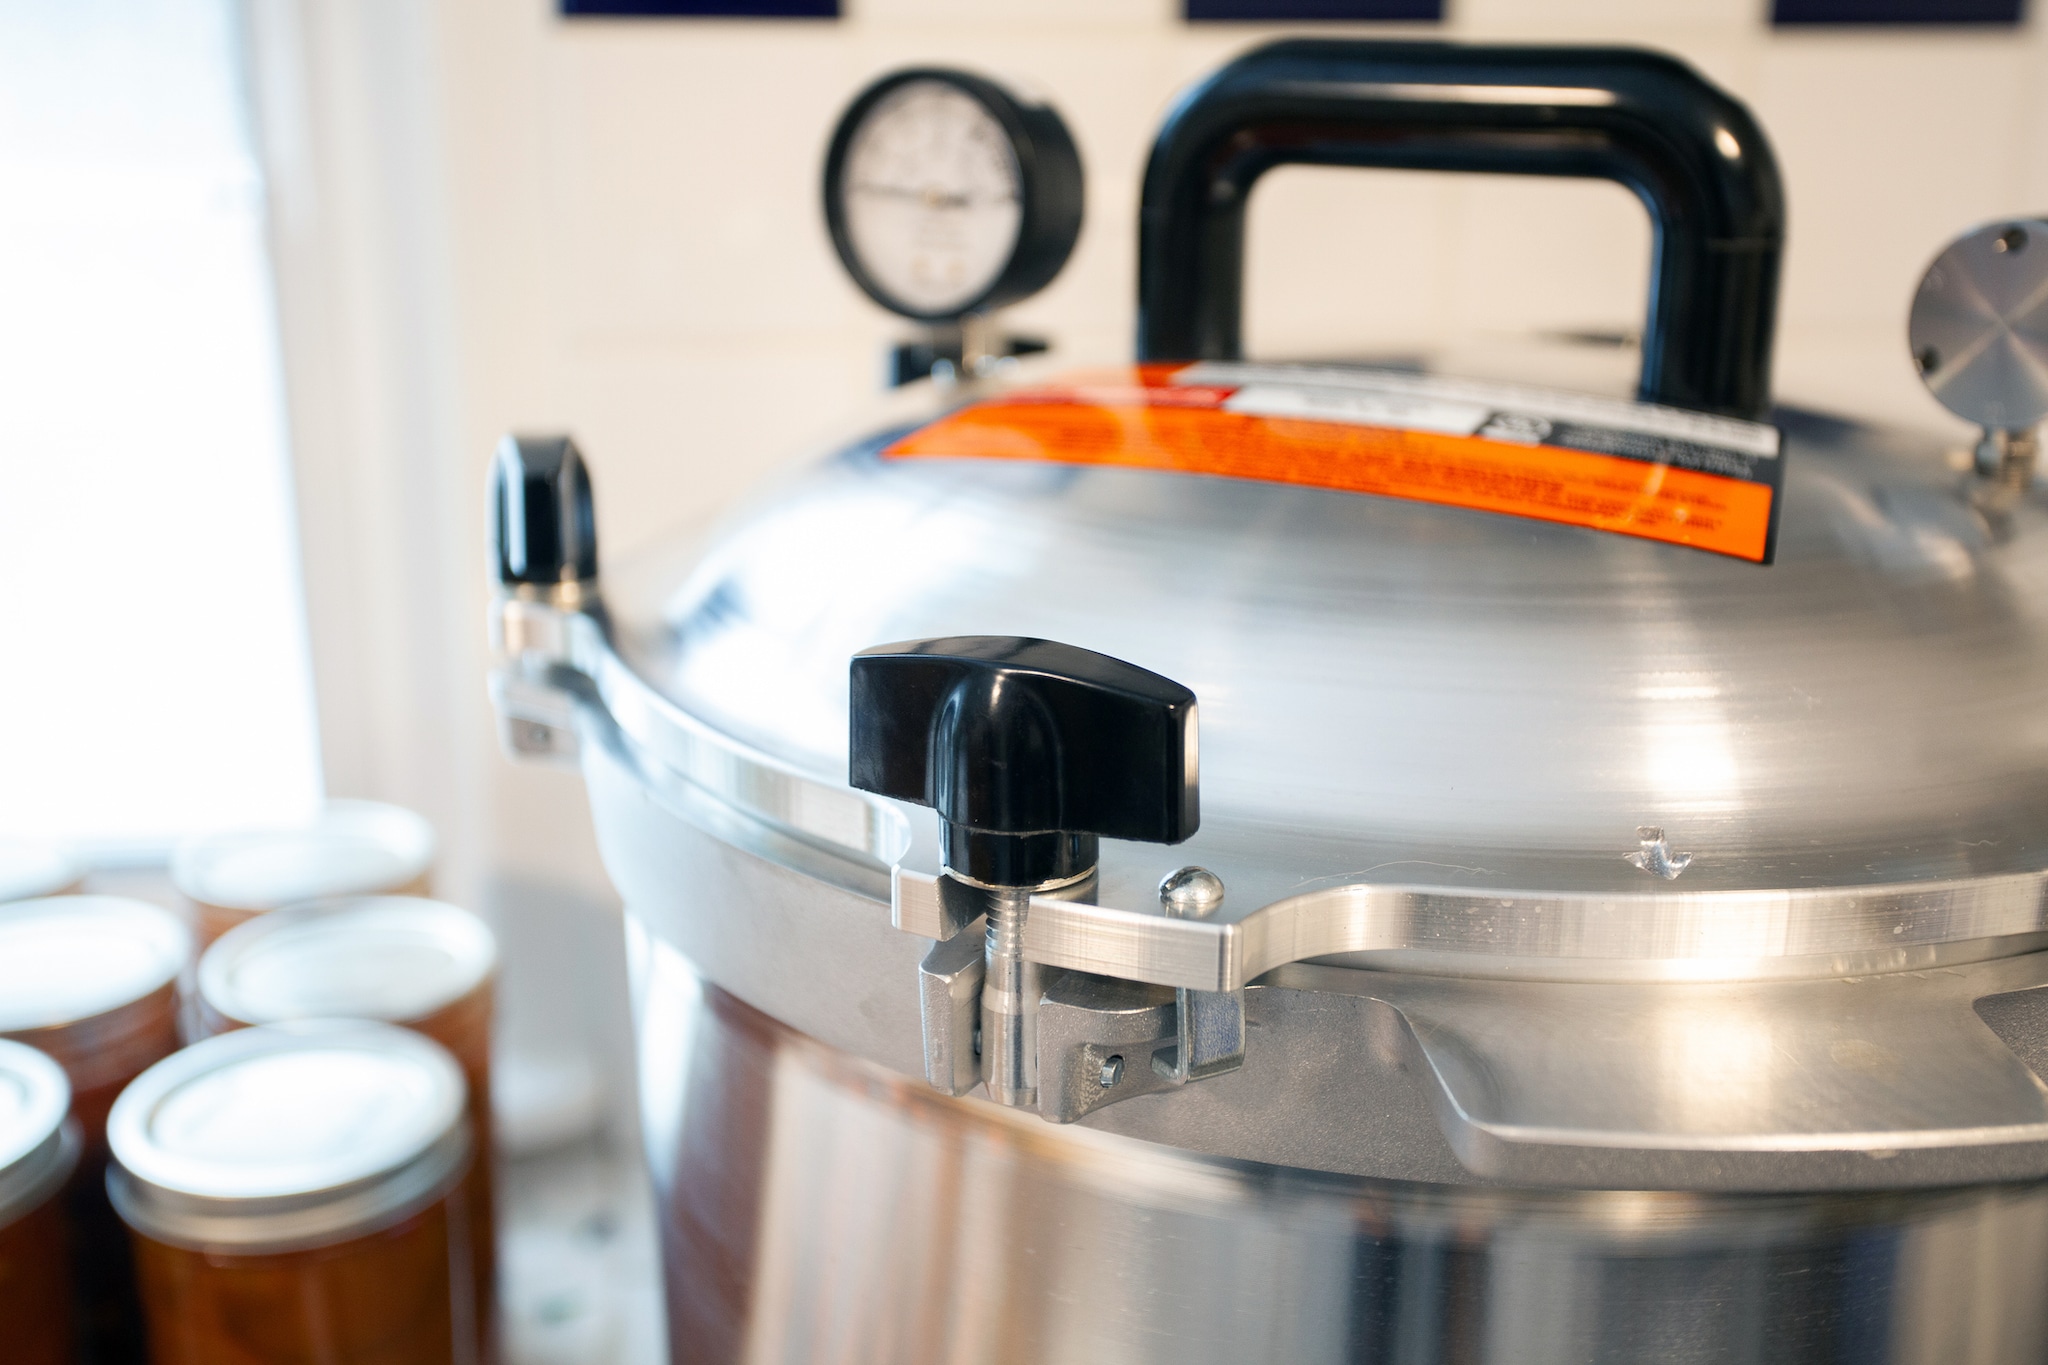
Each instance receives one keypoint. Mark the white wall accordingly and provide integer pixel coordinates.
(491, 218)
(641, 257)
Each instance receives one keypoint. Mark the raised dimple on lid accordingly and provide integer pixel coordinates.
(286, 1110)
(34, 1097)
(395, 958)
(355, 847)
(65, 958)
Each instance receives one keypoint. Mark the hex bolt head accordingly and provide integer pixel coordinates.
(1112, 1071)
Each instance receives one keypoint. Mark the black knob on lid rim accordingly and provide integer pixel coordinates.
(543, 527)
(1029, 750)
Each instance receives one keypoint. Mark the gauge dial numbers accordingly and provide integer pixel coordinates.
(945, 194)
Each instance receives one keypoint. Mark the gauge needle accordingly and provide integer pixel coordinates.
(930, 198)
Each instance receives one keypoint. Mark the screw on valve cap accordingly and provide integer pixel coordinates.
(1979, 325)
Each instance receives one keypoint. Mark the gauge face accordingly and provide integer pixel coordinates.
(1979, 326)
(932, 198)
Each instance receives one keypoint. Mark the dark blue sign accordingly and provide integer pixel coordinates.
(1282, 11)
(706, 9)
(1897, 11)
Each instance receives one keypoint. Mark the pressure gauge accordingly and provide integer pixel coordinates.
(1979, 325)
(947, 194)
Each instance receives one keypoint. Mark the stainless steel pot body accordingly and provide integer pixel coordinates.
(1500, 1086)
(820, 1203)
(817, 1207)
(1534, 1102)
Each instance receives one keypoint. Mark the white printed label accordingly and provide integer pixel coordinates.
(1315, 390)
(1410, 412)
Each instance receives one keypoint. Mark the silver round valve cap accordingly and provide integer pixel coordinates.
(1979, 326)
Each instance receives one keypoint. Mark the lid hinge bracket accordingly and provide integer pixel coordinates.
(1099, 1038)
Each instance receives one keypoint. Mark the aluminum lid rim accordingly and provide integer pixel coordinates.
(171, 939)
(135, 1148)
(292, 1223)
(1858, 924)
(467, 937)
(38, 870)
(193, 861)
(41, 1142)
(30, 1181)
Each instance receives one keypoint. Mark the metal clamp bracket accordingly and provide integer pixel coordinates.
(1101, 1038)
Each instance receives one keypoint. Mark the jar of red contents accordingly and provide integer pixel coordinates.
(38, 1149)
(425, 964)
(296, 1192)
(92, 982)
(355, 848)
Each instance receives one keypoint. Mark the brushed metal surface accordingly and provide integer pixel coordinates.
(1979, 325)
(814, 1208)
(804, 822)
(1892, 1080)
(846, 838)
(1715, 936)
(1474, 711)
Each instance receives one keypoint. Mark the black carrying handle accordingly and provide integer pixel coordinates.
(1692, 154)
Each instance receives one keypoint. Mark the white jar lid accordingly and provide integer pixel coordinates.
(288, 1135)
(67, 958)
(395, 958)
(35, 1152)
(29, 868)
(355, 848)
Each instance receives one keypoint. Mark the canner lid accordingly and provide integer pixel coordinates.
(67, 958)
(353, 848)
(395, 958)
(287, 1133)
(1399, 692)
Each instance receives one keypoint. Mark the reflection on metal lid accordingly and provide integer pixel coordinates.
(356, 847)
(396, 958)
(1407, 693)
(66, 958)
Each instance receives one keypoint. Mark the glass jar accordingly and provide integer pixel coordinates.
(355, 848)
(38, 1151)
(297, 1193)
(425, 964)
(92, 981)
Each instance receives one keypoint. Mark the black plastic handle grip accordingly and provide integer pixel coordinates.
(1692, 154)
(1027, 749)
(543, 526)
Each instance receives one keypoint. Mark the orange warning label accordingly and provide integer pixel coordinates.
(1144, 419)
